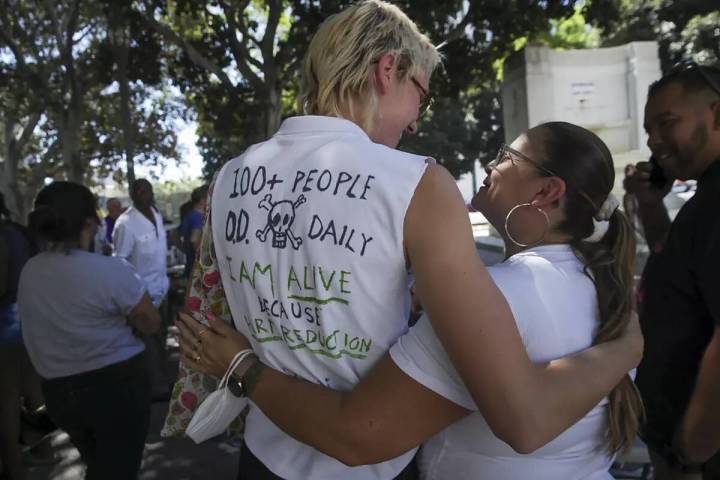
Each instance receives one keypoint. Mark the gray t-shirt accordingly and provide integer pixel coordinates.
(73, 308)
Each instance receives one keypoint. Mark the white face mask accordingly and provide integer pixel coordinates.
(219, 409)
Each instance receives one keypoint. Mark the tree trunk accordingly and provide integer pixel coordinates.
(8, 168)
(70, 123)
(8, 187)
(127, 124)
(33, 183)
(273, 112)
(119, 42)
(13, 152)
(70, 140)
(70, 115)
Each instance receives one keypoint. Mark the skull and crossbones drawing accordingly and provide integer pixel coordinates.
(280, 218)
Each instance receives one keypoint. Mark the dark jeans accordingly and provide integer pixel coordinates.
(106, 412)
(251, 468)
(157, 356)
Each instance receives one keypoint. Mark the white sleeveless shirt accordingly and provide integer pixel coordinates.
(308, 232)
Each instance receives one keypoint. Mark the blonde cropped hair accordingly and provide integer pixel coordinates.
(336, 78)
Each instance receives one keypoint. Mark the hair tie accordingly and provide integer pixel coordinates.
(608, 207)
(601, 221)
(599, 231)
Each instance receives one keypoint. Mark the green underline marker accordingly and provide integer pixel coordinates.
(329, 354)
(334, 356)
(267, 339)
(320, 301)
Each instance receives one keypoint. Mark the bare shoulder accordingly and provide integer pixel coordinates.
(436, 208)
(436, 179)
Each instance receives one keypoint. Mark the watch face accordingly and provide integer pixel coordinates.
(235, 388)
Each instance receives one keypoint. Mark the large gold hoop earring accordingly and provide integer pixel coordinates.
(507, 222)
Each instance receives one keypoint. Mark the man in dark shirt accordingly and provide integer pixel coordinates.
(679, 294)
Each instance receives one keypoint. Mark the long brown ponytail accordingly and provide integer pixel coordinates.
(610, 263)
(584, 162)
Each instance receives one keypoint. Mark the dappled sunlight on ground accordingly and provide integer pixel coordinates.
(164, 458)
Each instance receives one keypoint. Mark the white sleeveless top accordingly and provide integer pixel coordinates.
(308, 232)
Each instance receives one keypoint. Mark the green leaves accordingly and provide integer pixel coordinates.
(236, 64)
(687, 29)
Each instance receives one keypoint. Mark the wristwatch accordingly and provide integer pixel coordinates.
(235, 387)
(237, 378)
(678, 463)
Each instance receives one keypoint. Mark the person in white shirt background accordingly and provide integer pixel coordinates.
(139, 237)
(568, 280)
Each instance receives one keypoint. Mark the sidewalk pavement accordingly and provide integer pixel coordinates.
(164, 458)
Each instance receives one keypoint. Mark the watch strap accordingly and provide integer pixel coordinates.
(679, 464)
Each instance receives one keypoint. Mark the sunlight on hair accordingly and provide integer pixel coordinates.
(336, 78)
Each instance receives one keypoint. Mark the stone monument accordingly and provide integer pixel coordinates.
(601, 89)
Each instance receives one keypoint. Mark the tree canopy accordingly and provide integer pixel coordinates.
(90, 88)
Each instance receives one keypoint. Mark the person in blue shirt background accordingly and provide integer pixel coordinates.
(115, 209)
(191, 226)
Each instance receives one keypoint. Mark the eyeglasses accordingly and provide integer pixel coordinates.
(426, 99)
(686, 65)
(507, 153)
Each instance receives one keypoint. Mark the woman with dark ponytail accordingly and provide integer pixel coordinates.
(603, 239)
(79, 314)
(567, 277)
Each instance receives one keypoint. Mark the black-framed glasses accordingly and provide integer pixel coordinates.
(426, 99)
(507, 153)
(686, 65)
